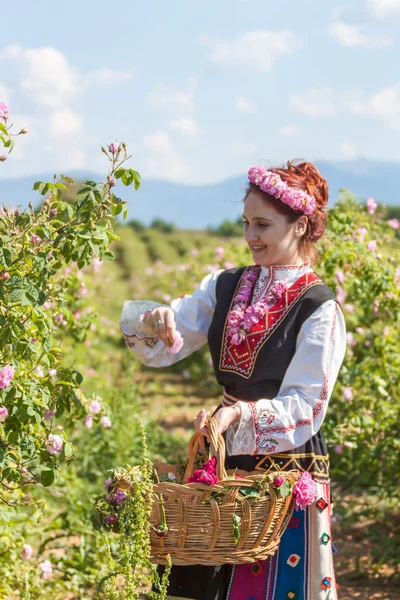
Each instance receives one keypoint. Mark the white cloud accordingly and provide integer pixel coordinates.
(5, 94)
(317, 102)
(384, 8)
(167, 96)
(65, 122)
(255, 49)
(51, 80)
(48, 76)
(350, 36)
(163, 162)
(349, 150)
(185, 125)
(245, 105)
(107, 76)
(289, 130)
(383, 105)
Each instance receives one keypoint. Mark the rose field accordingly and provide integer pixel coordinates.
(75, 404)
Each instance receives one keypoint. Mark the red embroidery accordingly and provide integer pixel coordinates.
(263, 417)
(241, 358)
(324, 391)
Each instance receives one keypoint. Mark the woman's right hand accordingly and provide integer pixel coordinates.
(161, 322)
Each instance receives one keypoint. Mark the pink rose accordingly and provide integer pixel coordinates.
(371, 206)
(95, 407)
(24, 131)
(3, 157)
(49, 413)
(361, 232)
(35, 239)
(113, 147)
(178, 343)
(3, 111)
(53, 372)
(341, 295)
(305, 491)
(53, 212)
(278, 481)
(26, 552)
(54, 444)
(372, 245)
(88, 421)
(219, 252)
(3, 414)
(107, 483)
(6, 376)
(5, 275)
(394, 223)
(112, 181)
(348, 394)
(339, 448)
(46, 568)
(339, 276)
(105, 421)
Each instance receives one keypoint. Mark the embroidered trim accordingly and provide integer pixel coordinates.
(263, 417)
(148, 340)
(324, 391)
(243, 364)
(315, 464)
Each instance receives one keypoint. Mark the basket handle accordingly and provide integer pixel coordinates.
(217, 449)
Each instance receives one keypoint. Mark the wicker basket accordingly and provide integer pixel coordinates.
(200, 525)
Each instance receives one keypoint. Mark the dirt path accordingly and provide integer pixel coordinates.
(174, 402)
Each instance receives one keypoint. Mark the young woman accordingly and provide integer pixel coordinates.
(277, 339)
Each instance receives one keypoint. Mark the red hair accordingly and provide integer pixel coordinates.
(303, 176)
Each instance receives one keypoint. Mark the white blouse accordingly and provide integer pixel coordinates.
(270, 425)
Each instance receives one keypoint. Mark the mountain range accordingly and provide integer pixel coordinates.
(199, 206)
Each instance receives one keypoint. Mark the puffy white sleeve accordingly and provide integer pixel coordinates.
(193, 316)
(289, 420)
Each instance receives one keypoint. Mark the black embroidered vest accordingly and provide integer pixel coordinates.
(255, 369)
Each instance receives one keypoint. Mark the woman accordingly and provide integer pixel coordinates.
(277, 340)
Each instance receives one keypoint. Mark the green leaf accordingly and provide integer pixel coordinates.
(46, 477)
(136, 178)
(68, 450)
(118, 173)
(249, 492)
(236, 527)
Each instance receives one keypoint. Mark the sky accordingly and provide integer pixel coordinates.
(200, 91)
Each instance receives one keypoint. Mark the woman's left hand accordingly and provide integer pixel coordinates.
(225, 416)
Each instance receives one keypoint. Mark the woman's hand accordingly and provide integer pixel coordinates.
(161, 322)
(225, 416)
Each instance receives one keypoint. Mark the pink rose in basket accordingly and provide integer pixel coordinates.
(305, 491)
(207, 474)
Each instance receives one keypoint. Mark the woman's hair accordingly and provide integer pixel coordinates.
(302, 176)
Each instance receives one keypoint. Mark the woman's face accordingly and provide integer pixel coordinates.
(272, 239)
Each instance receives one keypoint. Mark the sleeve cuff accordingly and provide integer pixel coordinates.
(241, 436)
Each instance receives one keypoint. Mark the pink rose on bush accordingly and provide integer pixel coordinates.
(3, 414)
(394, 223)
(339, 448)
(88, 421)
(5, 275)
(26, 552)
(3, 111)
(6, 376)
(105, 421)
(305, 491)
(340, 276)
(35, 239)
(49, 413)
(54, 444)
(219, 252)
(372, 245)
(113, 147)
(46, 568)
(371, 206)
(95, 407)
(348, 394)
